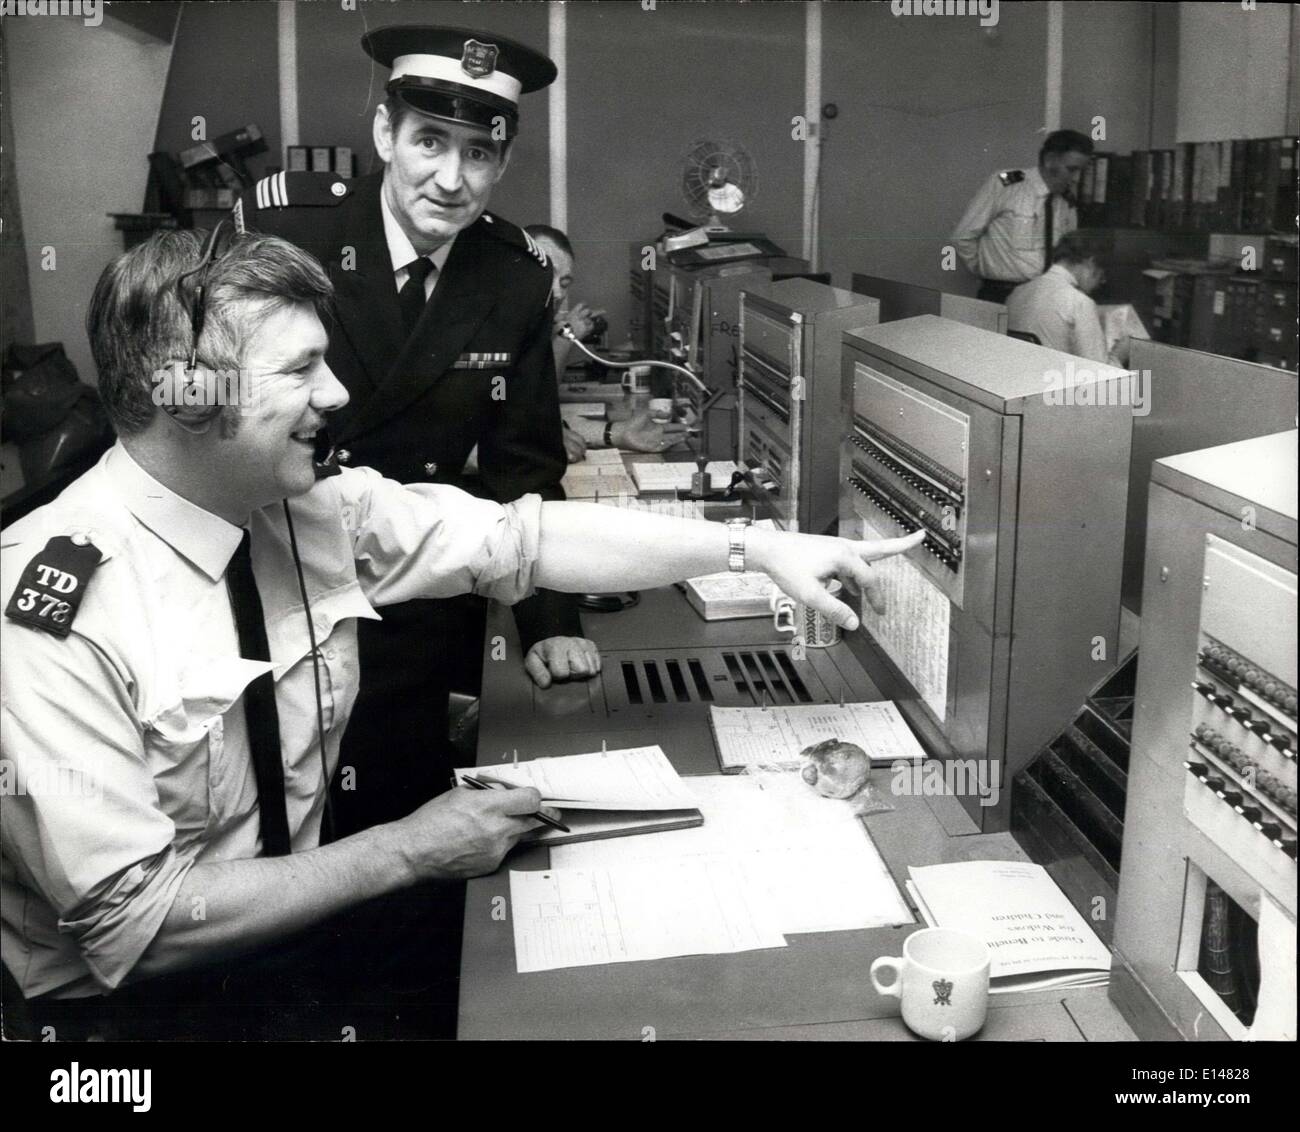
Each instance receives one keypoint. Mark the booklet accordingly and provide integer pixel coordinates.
(1037, 937)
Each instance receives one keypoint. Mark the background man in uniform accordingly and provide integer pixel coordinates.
(180, 641)
(1008, 231)
(443, 341)
(639, 433)
(1056, 308)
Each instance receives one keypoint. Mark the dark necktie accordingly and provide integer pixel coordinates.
(1047, 245)
(411, 297)
(259, 704)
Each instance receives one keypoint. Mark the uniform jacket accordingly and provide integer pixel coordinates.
(477, 369)
(1003, 232)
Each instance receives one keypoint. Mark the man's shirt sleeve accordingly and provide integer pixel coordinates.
(981, 210)
(433, 540)
(83, 827)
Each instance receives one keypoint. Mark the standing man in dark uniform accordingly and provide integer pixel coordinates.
(1008, 231)
(443, 340)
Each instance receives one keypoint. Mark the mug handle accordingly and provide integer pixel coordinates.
(893, 963)
(783, 610)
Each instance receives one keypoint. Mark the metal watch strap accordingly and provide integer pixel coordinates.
(609, 434)
(736, 545)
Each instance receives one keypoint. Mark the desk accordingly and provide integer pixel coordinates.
(817, 986)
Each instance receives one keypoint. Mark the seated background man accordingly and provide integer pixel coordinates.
(1055, 307)
(180, 644)
(639, 433)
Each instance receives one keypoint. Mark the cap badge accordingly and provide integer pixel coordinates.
(479, 59)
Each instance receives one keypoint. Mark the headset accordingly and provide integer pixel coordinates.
(195, 412)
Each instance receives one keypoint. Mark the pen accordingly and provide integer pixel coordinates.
(483, 782)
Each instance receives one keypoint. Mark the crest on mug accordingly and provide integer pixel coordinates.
(942, 992)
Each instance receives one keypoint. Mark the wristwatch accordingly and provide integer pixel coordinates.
(736, 545)
(609, 434)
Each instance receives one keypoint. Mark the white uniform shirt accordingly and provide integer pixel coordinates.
(1002, 234)
(401, 252)
(125, 745)
(1063, 317)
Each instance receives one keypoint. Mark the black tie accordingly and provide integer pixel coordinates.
(1047, 246)
(259, 704)
(411, 297)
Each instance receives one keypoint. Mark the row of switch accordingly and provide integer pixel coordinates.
(1236, 669)
(1263, 726)
(937, 472)
(1284, 839)
(1271, 784)
(915, 482)
(951, 558)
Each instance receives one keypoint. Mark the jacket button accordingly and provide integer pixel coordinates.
(430, 469)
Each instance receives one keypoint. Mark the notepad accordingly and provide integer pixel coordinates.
(633, 778)
(774, 736)
(1037, 938)
(676, 475)
(603, 794)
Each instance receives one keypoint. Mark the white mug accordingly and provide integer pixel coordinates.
(813, 629)
(636, 379)
(942, 981)
(661, 409)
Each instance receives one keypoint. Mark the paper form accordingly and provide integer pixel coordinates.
(676, 475)
(566, 917)
(752, 737)
(914, 630)
(634, 778)
(808, 857)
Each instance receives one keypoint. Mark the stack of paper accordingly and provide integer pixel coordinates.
(774, 735)
(727, 596)
(676, 476)
(601, 474)
(809, 857)
(1037, 938)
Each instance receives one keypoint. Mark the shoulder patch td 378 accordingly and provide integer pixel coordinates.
(50, 590)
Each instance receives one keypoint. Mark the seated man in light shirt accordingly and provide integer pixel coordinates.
(639, 433)
(180, 647)
(1056, 308)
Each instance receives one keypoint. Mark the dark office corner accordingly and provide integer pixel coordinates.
(224, 70)
(16, 296)
(1067, 806)
(158, 18)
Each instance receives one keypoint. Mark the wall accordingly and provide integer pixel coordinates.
(645, 85)
(224, 68)
(84, 102)
(1107, 71)
(1233, 65)
(928, 108)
